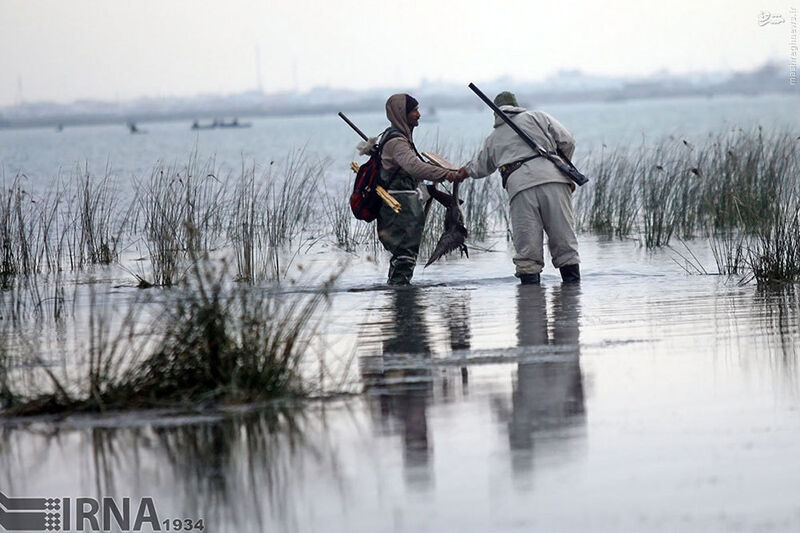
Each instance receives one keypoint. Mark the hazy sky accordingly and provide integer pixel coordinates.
(62, 50)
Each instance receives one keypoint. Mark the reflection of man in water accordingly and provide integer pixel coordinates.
(548, 395)
(456, 313)
(403, 388)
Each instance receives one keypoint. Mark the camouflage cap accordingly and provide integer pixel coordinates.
(505, 98)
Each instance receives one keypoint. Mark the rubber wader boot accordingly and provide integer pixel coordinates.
(401, 270)
(570, 273)
(529, 279)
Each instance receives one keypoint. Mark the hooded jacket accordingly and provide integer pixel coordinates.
(504, 146)
(399, 153)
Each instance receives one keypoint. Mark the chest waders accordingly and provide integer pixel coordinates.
(401, 233)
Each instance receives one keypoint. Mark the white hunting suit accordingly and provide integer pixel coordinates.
(540, 196)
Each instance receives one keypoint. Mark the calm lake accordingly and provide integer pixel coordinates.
(645, 399)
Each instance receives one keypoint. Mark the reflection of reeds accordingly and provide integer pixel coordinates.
(236, 469)
(213, 455)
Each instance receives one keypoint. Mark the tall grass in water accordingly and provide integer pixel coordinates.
(162, 224)
(348, 233)
(729, 249)
(18, 232)
(774, 254)
(657, 200)
(225, 345)
(293, 191)
(247, 230)
(83, 220)
(100, 229)
(484, 206)
(738, 188)
(207, 342)
(75, 224)
(291, 206)
(270, 214)
(181, 212)
(609, 205)
(34, 231)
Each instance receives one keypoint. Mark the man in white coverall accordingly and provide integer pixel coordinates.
(540, 195)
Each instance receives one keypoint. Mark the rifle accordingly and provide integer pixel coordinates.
(355, 128)
(383, 193)
(565, 166)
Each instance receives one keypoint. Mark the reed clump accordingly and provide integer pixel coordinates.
(774, 252)
(209, 342)
(20, 243)
(181, 212)
(247, 229)
(272, 213)
(75, 224)
(609, 205)
(348, 233)
(219, 344)
(740, 189)
(101, 221)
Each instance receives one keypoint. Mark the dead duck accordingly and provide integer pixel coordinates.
(455, 232)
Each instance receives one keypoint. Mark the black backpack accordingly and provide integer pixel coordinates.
(364, 201)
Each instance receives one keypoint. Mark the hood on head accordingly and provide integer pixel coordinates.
(396, 113)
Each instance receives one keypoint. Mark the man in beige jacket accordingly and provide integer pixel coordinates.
(540, 195)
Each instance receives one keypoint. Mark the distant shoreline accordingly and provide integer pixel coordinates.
(630, 93)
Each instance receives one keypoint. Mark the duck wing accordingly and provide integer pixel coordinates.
(455, 233)
(449, 241)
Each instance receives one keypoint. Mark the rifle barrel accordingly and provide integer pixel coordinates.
(566, 167)
(506, 118)
(361, 133)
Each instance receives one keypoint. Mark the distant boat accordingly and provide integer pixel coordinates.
(59, 127)
(220, 124)
(133, 129)
(197, 126)
(234, 124)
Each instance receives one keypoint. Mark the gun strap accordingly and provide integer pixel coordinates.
(507, 169)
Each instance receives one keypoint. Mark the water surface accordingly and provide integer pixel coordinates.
(644, 399)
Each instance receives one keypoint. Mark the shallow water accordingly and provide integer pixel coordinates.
(644, 399)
